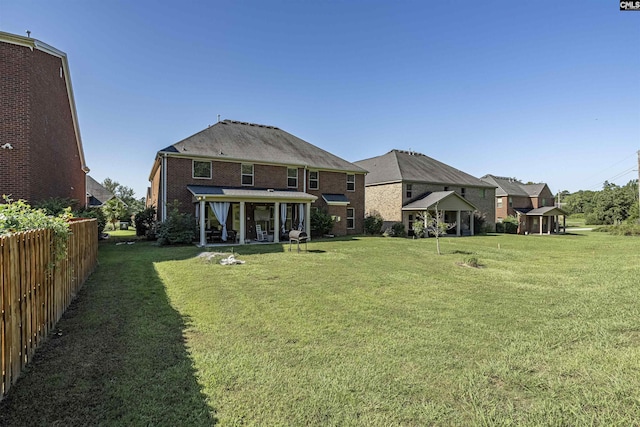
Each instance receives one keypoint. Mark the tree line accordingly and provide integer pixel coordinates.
(612, 205)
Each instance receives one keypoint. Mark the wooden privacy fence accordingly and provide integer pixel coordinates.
(35, 293)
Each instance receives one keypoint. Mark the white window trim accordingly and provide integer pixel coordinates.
(353, 218)
(242, 174)
(317, 180)
(193, 169)
(354, 182)
(290, 177)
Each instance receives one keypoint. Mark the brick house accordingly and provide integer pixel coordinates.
(402, 184)
(532, 204)
(41, 154)
(241, 179)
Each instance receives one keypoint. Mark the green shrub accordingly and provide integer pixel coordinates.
(398, 230)
(373, 223)
(93, 213)
(179, 228)
(479, 223)
(20, 216)
(472, 261)
(620, 230)
(56, 206)
(145, 221)
(321, 222)
(508, 225)
(418, 229)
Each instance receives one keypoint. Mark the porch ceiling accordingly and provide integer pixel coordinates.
(248, 194)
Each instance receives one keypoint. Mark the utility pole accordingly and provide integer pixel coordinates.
(639, 184)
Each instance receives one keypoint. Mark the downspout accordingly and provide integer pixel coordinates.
(163, 215)
(304, 177)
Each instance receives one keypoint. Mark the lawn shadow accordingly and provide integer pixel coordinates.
(118, 356)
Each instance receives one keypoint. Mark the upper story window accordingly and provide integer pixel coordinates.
(292, 177)
(463, 192)
(409, 193)
(499, 202)
(201, 170)
(351, 182)
(314, 180)
(247, 174)
(483, 193)
(544, 202)
(510, 202)
(446, 188)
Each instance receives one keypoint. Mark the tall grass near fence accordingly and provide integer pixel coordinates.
(35, 292)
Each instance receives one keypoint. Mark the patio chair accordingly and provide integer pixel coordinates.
(261, 236)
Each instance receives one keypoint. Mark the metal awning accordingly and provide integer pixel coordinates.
(335, 199)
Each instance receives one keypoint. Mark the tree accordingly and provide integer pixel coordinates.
(113, 210)
(126, 195)
(435, 225)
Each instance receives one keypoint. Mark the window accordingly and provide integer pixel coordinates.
(292, 177)
(410, 222)
(201, 169)
(247, 174)
(499, 202)
(544, 202)
(351, 218)
(351, 182)
(510, 202)
(483, 193)
(314, 180)
(446, 188)
(463, 192)
(409, 191)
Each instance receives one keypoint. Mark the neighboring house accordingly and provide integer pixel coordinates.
(402, 184)
(532, 204)
(41, 153)
(97, 195)
(257, 181)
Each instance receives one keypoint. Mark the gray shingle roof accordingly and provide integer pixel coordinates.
(398, 165)
(430, 199)
(513, 187)
(241, 141)
(506, 186)
(97, 193)
(249, 193)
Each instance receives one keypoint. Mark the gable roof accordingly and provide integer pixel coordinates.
(38, 45)
(98, 195)
(449, 200)
(399, 166)
(249, 142)
(513, 187)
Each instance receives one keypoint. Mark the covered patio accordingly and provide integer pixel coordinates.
(243, 215)
(543, 220)
(451, 203)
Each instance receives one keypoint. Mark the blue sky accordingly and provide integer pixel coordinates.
(545, 91)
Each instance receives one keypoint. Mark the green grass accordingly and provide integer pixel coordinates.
(365, 331)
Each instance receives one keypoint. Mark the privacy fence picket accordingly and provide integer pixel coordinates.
(34, 293)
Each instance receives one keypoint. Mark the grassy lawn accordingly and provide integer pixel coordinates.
(365, 331)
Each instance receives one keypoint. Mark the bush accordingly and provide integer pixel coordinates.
(179, 228)
(479, 223)
(93, 213)
(418, 229)
(321, 222)
(373, 223)
(145, 221)
(472, 261)
(508, 225)
(620, 230)
(397, 230)
(56, 206)
(19, 216)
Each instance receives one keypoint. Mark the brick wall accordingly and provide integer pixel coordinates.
(385, 199)
(14, 121)
(35, 118)
(228, 174)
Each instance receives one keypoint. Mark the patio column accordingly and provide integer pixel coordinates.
(276, 223)
(243, 223)
(307, 220)
(458, 223)
(549, 224)
(541, 219)
(471, 223)
(203, 235)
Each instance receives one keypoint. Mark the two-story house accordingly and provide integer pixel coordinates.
(41, 154)
(255, 182)
(402, 184)
(532, 204)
